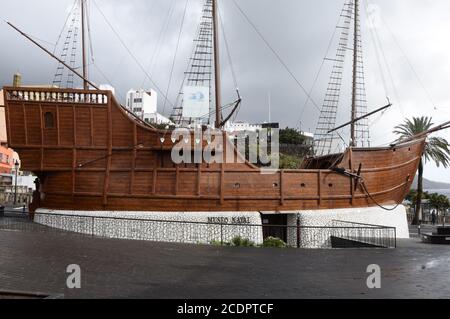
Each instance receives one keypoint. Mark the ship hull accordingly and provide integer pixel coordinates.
(89, 154)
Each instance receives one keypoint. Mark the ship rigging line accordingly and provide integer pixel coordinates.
(323, 62)
(378, 44)
(247, 18)
(230, 60)
(131, 53)
(175, 55)
(408, 61)
(161, 36)
(65, 25)
(91, 47)
(235, 110)
(364, 187)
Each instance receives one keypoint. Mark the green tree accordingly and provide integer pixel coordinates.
(440, 202)
(437, 149)
(291, 136)
(290, 162)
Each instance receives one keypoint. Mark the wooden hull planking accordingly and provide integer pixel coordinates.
(89, 154)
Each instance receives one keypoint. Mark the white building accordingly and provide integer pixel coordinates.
(107, 87)
(234, 127)
(156, 118)
(142, 102)
(144, 105)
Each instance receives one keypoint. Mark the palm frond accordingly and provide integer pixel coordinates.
(437, 149)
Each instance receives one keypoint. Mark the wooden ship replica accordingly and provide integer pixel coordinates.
(90, 154)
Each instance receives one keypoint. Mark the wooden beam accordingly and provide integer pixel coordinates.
(58, 126)
(74, 151)
(25, 123)
(91, 114)
(281, 188)
(133, 160)
(42, 135)
(319, 186)
(199, 179)
(155, 176)
(350, 164)
(177, 178)
(108, 164)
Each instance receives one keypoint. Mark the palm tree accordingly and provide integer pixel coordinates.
(437, 149)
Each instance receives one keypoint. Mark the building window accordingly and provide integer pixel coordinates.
(138, 100)
(49, 120)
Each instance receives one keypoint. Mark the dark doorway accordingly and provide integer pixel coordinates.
(275, 226)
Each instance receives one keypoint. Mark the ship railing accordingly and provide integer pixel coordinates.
(57, 96)
(339, 234)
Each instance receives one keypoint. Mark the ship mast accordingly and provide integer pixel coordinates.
(355, 73)
(216, 64)
(83, 44)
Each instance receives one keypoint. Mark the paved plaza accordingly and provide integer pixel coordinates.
(36, 261)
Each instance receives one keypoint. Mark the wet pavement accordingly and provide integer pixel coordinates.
(33, 260)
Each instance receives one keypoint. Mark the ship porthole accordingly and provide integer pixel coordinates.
(303, 185)
(330, 185)
(237, 185)
(275, 185)
(49, 120)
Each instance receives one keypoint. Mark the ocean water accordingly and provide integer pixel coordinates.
(445, 192)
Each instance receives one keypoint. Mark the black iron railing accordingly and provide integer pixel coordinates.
(371, 235)
(339, 234)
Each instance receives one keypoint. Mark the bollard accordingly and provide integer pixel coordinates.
(418, 230)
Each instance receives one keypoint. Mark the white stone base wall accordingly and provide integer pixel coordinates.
(181, 227)
(198, 228)
(320, 238)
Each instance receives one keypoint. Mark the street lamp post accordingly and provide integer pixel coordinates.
(16, 165)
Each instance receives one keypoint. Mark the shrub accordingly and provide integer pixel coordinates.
(216, 243)
(274, 242)
(242, 242)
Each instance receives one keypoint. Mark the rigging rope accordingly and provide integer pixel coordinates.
(91, 47)
(161, 37)
(175, 55)
(378, 44)
(131, 53)
(408, 61)
(41, 40)
(322, 64)
(275, 53)
(364, 187)
(376, 47)
(65, 25)
(247, 18)
(230, 60)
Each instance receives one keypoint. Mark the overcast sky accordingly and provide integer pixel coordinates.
(413, 35)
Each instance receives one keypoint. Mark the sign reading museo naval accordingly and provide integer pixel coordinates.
(196, 101)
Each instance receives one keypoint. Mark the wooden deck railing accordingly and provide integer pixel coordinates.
(57, 95)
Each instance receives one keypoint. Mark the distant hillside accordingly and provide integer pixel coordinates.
(427, 184)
